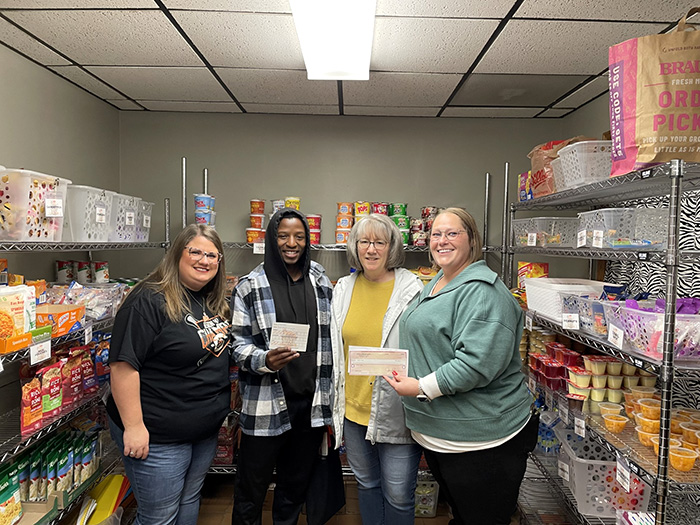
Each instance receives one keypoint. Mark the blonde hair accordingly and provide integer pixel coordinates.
(469, 224)
(384, 228)
(166, 277)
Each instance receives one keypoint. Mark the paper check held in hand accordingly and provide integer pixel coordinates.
(370, 361)
(290, 335)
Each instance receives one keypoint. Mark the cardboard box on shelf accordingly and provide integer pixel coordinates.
(62, 318)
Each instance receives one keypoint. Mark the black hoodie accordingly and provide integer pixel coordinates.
(295, 302)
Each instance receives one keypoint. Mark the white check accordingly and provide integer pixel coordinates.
(371, 361)
(292, 335)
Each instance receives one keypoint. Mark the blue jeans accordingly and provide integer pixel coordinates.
(386, 477)
(168, 482)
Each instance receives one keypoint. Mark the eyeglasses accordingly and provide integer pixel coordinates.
(379, 245)
(450, 236)
(197, 255)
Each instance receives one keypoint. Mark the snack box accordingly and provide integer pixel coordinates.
(62, 318)
(17, 342)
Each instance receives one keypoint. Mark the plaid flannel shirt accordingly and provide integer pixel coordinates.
(264, 411)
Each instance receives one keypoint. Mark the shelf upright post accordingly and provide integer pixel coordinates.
(666, 373)
(205, 173)
(486, 209)
(184, 193)
(506, 254)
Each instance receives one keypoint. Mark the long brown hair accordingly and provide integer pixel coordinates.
(166, 277)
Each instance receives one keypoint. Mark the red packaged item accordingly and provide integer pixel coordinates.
(567, 357)
(72, 382)
(553, 368)
(51, 390)
(32, 411)
(551, 348)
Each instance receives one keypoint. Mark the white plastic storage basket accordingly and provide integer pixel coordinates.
(88, 214)
(143, 221)
(556, 231)
(625, 228)
(543, 294)
(122, 224)
(558, 173)
(586, 162)
(23, 206)
(521, 229)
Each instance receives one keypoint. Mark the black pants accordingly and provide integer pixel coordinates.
(482, 486)
(293, 454)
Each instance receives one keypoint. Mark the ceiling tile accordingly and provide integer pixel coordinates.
(400, 89)
(514, 90)
(76, 4)
(292, 109)
(428, 45)
(390, 111)
(94, 86)
(554, 113)
(586, 93)
(22, 42)
(110, 37)
(491, 112)
(278, 87)
(206, 107)
(252, 40)
(558, 48)
(125, 104)
(649, 10)
(251, 6)
(195, 84)
(444, 8)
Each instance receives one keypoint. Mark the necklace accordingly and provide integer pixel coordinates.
(205, 316)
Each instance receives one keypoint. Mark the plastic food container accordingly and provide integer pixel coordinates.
(644, 436)
(567, 357)
(630, 381)
(614, 367)
(615, 381)
(599, 381)
(641, 392)
(682, 459)
(614, 395)
(575, 402)
(672, 442)
(553, 383)
(649, 425)
(689, 431)
(628, 369)
(651, 408)
(615, 423)
(598, 394)
(676, 420)
(552, 368)
(595, 364)
(688, 445)
(575, 389)
(579, 376)
(647, 381)
(609, 408)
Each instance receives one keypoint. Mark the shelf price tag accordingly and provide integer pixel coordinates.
(1, 367)
(637, 362)
(623, 473)
(100, 213)
(616, 336)
(88, 333)
(528, 321)
(564, 413)
(532, 239)
(532, 385)
(39, 352)
(259, 248)
(146, 221)
(563, 470)
(580, 426)
(53, 207)
(570, 321)
(130, 218)
(598, 238)
(549, 399)
(581, 238)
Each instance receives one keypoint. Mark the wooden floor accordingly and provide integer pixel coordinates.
(217, 503)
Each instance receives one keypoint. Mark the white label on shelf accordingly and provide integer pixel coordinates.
(532, 239)
(570, 321)
(598, 238)
(563, 470)
(581, 238)
(100, 213)
(580, 426)
(1, 367)
(130, 218)
(88, 333)
(39, 352)
(564, 413)
(532, 385)
(259, 248)
(549, 399)
(146, 221)
(53, 207)
(623, 473)
(616, 336)
(528, 321)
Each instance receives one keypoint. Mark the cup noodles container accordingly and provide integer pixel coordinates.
(99, 271)
(81, 272)
(202, 201)
(416, 225)
(398, 208)
(419, 238)
(380, 208)
(361, 208)
(254, 235)
(345, 208)
(257, 220)
(292, 202)
(314, 236)
(64, 272)
(277, 205)
(314, 221)
(405, 235)
(341, 235)
(402, 221)
(257, 206)
(344, 222)
(428, 211)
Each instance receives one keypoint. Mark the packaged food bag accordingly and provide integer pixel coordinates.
(655, 99)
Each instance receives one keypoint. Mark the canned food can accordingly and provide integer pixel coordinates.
(398, 208)
(257, 220)
(344, 221)
(314, 236)
(402, 221)
(257, 206)
(254, 235)
(314, 221)
(292, 202)
(345, 208)
(64, 272)
(380, 208)
(361, 208)
(81, 271)
(341, 236)
(428, 211)
(99, 271)
(277, 205)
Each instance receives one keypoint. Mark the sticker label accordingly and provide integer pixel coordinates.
(146, 221)
(88, 333)
(259, 248)
(564, 413)
(581, 238)
(580, 426)
(528, 321)
(39, 352)
(563, 470)
(570, 321)
(130, 218)
(53, 207)
(598, 238)
(100, 214)
(623, 473)
(532, 239)
(616, 336)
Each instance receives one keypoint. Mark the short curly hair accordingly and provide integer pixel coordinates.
(382, 227)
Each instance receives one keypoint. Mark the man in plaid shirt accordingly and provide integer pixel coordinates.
(286, 394)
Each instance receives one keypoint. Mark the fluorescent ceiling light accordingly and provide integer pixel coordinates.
(335, 37)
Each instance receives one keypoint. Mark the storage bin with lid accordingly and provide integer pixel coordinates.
(586, 162)
(122, 224)
(88, 214)
(23, 206)
(143, 221)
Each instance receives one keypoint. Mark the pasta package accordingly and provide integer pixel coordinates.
(12, 311)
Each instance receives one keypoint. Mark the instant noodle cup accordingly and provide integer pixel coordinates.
(277, 205)
(405, 235)
(254, 235)
(614, 395)
(202, 216)
(345, 208)
(341, 236)
(202, 201)
(651, 408)
(380, 208)
(609, 408)
(428, 211)
(672, 442)
(599, 381)
(398, 208)
(292, 202)
(257, 207)
(402, 221)
(676, 420)
(314, 236)
(344, 222)
(257, 220)
(682, 459)
(314, 221)
(615, 423)
(689, 431)
(649, 425)
(630, 381)
(644, 436)
(361, 208)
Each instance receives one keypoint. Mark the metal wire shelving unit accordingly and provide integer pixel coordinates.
(667, 179)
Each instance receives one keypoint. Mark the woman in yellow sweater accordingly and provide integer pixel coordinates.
(366, 309)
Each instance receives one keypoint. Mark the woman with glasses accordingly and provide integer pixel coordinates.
(466, 401)
(366, 309)
(169, 361)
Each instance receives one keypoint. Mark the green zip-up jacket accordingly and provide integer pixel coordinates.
(468, 333)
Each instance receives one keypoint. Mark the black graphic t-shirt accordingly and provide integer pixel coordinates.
(185, 390)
